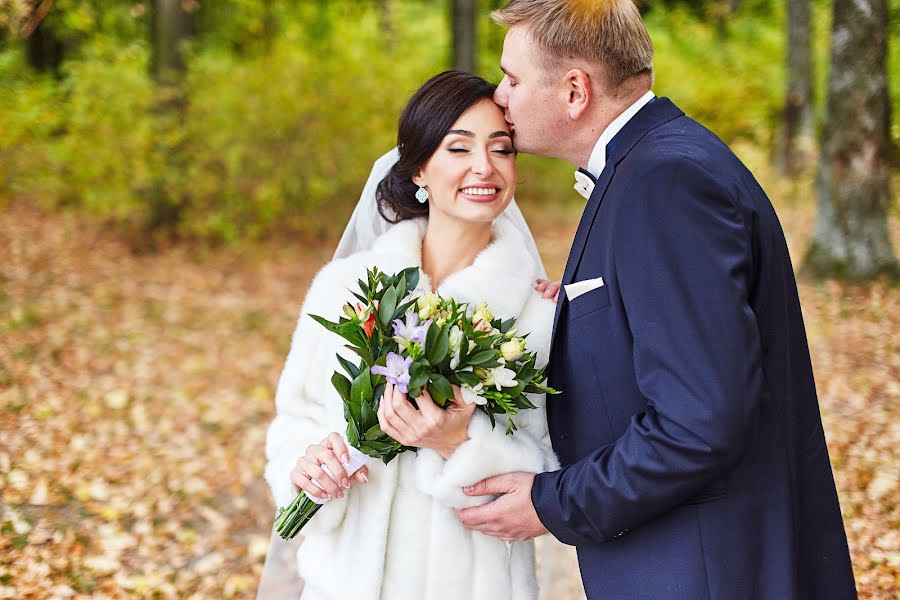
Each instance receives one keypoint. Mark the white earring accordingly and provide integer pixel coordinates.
(422, 195)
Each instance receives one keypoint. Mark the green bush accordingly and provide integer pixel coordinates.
(288, 103)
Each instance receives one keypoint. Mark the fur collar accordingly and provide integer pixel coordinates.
(502, 274)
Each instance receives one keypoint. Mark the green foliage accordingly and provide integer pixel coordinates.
(287, 104)
(733, 83)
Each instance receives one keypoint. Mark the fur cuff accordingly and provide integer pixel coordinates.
(488, 452)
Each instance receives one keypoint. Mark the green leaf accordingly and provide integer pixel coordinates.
(419, 374)
(352, 433)
(352, 370)
(372, 452)
(493, 419)
(431, 336)
(401, 288)
(437, 351)
(360, 393)
(342, 385)
(329, 325)
(405, 307)
(369, 418)
(374, 432)
(380, 447)
(468, 378)
(412, 277)
(481, 358)
(440, 389)
(387, 306)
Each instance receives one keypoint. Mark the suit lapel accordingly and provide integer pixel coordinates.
(654, 114)
(581, 234)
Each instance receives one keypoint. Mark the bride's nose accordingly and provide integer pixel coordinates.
(482, 165)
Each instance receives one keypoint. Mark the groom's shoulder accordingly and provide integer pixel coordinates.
(681, 145)
(682, 137)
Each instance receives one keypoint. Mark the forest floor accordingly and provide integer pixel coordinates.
(136, 388)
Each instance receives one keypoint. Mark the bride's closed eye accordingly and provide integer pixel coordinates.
(503, 151)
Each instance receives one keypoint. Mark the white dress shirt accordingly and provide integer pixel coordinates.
(598, 156)
(597, 161)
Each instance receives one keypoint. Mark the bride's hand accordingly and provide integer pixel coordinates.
(442, 430)
(331, 452)
(549, 289)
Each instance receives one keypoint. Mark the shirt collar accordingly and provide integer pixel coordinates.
(598, 156)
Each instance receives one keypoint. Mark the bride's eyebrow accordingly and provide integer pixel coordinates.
(461, 132)
(465, 133)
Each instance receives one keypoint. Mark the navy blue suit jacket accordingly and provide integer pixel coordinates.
(694, 460)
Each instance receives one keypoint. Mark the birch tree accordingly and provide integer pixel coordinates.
(853, 183)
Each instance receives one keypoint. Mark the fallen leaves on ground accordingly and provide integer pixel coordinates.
(135, 392)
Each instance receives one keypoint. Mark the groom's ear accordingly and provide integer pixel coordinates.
(579, 92)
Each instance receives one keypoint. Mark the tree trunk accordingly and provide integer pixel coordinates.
(853, 185)
(464, 19)
(43, 49)
(795, 146)
(386, 22)
(171, 25)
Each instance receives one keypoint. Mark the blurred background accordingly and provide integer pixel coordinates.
(173, 172)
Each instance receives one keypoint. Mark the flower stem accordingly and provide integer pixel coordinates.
(291, 519)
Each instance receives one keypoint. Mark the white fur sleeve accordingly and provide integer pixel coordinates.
(488, 452)
(307, 406)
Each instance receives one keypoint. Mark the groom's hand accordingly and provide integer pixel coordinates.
(511, 517)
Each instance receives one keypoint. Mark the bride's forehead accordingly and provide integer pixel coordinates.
(484, 115)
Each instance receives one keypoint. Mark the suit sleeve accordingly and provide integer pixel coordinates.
(682, 259)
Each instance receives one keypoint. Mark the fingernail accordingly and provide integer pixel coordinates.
(345, 483)
(468, 489)
(364, 477)
(340, 495)
(345, 459)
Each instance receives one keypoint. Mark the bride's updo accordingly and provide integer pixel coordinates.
(427, 118)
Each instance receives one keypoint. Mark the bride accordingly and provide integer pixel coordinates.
(441, 201)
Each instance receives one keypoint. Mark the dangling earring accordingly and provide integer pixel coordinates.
(422, 195)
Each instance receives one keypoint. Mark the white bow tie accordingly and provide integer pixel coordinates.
(584, 185)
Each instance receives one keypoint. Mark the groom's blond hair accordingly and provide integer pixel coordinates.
(608, 33)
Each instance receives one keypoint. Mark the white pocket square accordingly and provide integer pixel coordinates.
(573, 290)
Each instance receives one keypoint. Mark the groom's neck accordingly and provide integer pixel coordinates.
(606, 110)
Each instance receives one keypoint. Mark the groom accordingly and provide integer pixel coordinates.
(694, 461)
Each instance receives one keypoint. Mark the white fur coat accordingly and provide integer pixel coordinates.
(396, 537)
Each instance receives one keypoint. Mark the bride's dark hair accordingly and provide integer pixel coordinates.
(427, 118)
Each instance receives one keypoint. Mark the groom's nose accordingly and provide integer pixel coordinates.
(501, 94)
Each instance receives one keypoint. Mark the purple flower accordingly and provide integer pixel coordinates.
(411, 331)
(396, 371)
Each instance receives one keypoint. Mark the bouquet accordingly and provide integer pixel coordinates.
(418, 340)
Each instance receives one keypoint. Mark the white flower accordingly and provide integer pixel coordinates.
(512, 349)
(454, 359)
(427, 304)
(456, 337)
(482, 318)
(470, 394)
(501, 377)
